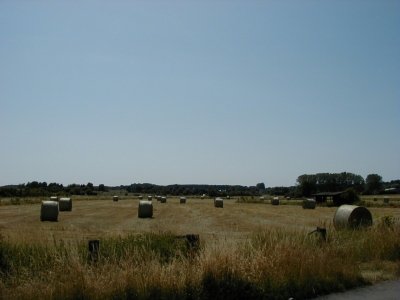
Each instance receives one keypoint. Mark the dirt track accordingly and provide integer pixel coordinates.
(389, 290)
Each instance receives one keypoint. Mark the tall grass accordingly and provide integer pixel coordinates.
(270, 264)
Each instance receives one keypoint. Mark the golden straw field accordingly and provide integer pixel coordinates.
(247, 251)
(96, 218)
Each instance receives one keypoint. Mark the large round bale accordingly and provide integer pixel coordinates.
(219, 202)
(163, 199)
(352, 216)
(203, 196)
(49, 211)
(149, 198)
(275, 201)
(115, 198)
(145, 209)
(182, 200)
(65, 204)
(309, 203)
(53, 198)
(140, 197)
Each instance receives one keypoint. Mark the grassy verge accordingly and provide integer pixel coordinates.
(267, 200)
(270, 264)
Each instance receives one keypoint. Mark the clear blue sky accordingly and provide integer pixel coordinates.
(210, 92)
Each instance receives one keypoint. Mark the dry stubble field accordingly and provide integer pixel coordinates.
(98, 218)
(249, 251)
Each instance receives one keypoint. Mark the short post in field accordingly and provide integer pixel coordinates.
(94, 247)
(321, 232)
(193, 242)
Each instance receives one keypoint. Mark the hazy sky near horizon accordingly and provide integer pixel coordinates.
(207, 92)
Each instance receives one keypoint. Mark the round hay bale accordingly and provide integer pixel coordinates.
(149, 197)
(140, 197)
(309, 203)
(352, 216)
(145, 209)
(228, 197)
(219, 202)
(115, 198)
(163, 200)
(182, 200)
(65, 204)
(386, 200)
(275, 201)
(53, 198)
(262, 198)
(49, 211)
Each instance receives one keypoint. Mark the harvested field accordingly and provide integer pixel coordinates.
(246, 251)
(93, 218)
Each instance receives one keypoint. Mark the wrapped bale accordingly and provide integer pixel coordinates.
(163, 200)
(49, 211)
(65, 204)
(219, 202)
(309, 203)
(149, 198)
(140, 197)
(145, 209)
(53, 198)
(352, 216)
(275, 201)
(115, 198)
(182, 200)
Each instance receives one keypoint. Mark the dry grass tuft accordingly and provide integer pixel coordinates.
(270, 264)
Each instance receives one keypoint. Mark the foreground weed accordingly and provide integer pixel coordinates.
(271, 264)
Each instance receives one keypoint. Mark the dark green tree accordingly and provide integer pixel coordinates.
(260, 187)
(89, 190)
(373, 184)
(307, 184)
(102, 188)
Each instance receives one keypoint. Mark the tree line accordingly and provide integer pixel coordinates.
(307, 185)
(36, 189)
